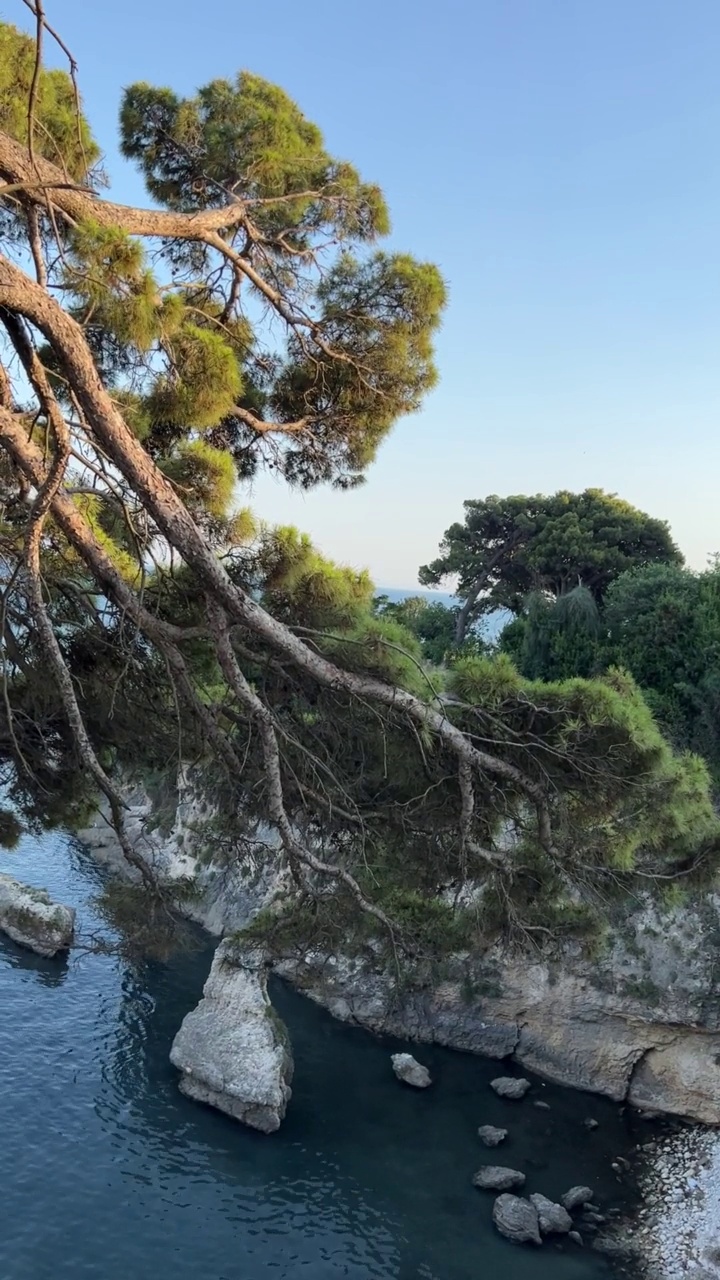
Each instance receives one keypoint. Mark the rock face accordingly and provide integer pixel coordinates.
(33, 920)
(175, 836)
(490, 1136)
(233, 1050)
(640, 1023)
(493, 1177)
(552, 1218)
(517, 1219)
(410, 1071)
(640, 1026)
(509, 1087)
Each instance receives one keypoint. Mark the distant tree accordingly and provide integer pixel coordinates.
(510, 547)
(432, 623)
(663, 625)
(556, 639)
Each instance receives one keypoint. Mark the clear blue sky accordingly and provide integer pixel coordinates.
(561, 162)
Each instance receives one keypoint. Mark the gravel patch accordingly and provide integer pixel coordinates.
(677, 1230)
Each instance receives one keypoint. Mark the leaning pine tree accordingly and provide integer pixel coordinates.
(154, 359)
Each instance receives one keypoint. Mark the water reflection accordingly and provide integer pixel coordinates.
(50, 972)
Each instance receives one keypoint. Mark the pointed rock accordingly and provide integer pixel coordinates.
(233, 1050)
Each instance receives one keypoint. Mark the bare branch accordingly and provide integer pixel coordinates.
(261, 714)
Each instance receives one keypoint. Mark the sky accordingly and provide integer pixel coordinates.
(560, 162)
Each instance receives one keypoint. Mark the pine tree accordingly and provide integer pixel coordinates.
(152, 361)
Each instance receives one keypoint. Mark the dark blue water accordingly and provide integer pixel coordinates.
(106, 1171)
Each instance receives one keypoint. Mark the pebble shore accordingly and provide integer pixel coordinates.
(677, 1231)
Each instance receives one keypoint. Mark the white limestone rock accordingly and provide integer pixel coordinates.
(233, 1050)
(33, 920)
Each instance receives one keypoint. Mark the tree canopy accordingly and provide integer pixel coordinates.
(432, 623)
(661, 623)
(509, 547)
(151, 360)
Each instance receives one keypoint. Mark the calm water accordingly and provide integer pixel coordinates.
(107, 1172)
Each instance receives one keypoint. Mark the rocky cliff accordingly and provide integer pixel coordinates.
(638, 1021)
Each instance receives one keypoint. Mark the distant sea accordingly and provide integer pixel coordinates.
(396, 594)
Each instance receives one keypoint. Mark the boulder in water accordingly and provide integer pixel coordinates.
(517, 1220)
(490, 1136)
(494, 1177)
(510, 1087)
(576, 1197)
(233, 1050)
(410, 1071)
(553, 1218)
(33, 920)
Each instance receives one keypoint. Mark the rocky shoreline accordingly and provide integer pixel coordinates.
(676, 1233)
(640, 1024)
(609, 1027)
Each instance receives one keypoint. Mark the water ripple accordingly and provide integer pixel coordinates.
(107, 1171)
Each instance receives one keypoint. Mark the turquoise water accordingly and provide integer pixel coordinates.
(106, 1171)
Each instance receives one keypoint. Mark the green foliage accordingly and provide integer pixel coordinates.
(301, 586)
(110, 528)
(204, 384)
(663, 624)
(149, 926)
(622, 794)
(485, 681)
(246, 139)
(382, 313)
(432, 623)
(10, 829)
(660, 622)
(59, 134)
(106, 272)
(556, 639)
(508, 548)
(289, 340)
(204, 475)
(382, 648)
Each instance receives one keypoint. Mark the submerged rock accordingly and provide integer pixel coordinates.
(576, 1197)
(33, 920)
(490, 1136)
(233, 1050)
(509, 1087)
(493, 1177)
(553, 1218)
(410, 1071)
(517, 1220)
